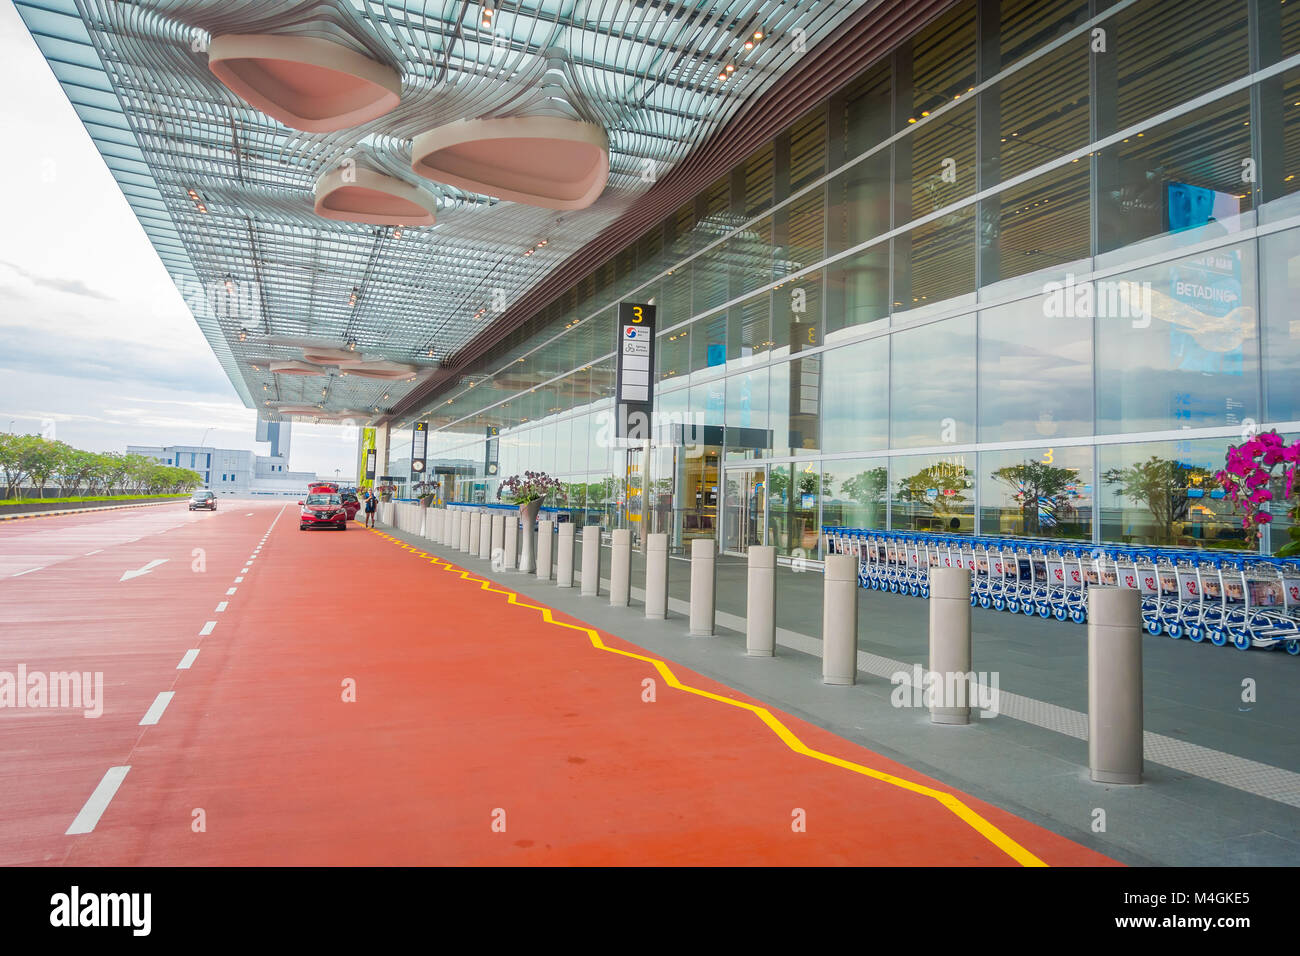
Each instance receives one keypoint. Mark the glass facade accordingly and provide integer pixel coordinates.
(1003, 282)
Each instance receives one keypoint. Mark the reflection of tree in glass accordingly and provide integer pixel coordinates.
(1040, 491)
(1161, 485)
(947, 479)
(576, 493)
(779, 482)
(867, 487)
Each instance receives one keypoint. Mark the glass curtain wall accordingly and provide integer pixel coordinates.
(1005, 281)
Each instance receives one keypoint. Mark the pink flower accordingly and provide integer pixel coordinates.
(1263, 517)
(1261, 494)
(1239, 465)
(1272, 456)
(1270, 438)
(1257, 479)
(1253, 448)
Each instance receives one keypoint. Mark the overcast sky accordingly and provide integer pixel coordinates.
(93, 334)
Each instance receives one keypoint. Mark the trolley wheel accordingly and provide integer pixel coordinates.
(1044, 611)
(1241, 640)
(974, 599)
(914, 589)
(1195, 634)
(1060, 613)
(998, 604)
(1218, 636)
(1013, 605)
(1293, 647)
(1153, 627)
(985, 600)
(893, 587)
(1078, 615)
(1028, 609)
(1174, 630)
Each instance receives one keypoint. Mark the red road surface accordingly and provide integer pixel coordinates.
(468, 711)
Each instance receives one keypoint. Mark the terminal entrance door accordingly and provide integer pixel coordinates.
(744, 509)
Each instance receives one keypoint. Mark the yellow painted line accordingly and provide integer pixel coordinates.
(950, 802)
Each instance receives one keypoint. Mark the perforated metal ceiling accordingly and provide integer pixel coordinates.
(225, 193)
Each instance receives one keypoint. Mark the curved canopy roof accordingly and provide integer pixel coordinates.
(227, 193)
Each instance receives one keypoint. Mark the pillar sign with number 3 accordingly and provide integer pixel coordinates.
(634, 383)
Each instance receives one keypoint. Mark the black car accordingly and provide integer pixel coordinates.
(203, 499)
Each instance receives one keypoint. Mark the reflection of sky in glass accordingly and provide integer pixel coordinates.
(1035, 374)
(933, 379)
(855, 397)
(1194, 364)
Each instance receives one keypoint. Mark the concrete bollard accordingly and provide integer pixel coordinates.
(840, 620)
(437, 515)
(950, 657)
(545, 542)
(452, 536)
(760, 602)
(475, 532)
(590, 560)
(704, 560)
(1115, 684)
(620, 569)
(656, 577)
(465, 532)
(497, 554)
(485, 536)
(510, 542)
(564, 555)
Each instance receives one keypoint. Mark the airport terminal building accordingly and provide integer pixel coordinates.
(1029, 272)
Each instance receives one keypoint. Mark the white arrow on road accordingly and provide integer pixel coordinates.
(128, 575)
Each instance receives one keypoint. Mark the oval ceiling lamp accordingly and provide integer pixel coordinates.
(379, 369)
(356, 194)
(306, 83)
(324, 356)
(294, 367)
(546, 161)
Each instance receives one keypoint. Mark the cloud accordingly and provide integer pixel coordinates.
(69, 286)
(115, 361)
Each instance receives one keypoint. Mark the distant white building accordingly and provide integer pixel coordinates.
(232, 471)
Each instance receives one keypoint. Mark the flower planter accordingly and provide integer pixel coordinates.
(528, 518)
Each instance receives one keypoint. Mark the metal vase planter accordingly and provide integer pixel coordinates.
(528, 518)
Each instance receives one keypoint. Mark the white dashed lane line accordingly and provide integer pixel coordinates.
(222, 606)
(239, 580)
(98, 802)
(231, 591)
(155, 711)
(188, 659)
(207, 628)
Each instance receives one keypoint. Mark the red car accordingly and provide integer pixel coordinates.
(351, 503)
(322, 511)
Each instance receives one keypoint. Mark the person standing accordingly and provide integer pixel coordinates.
(370, 510)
